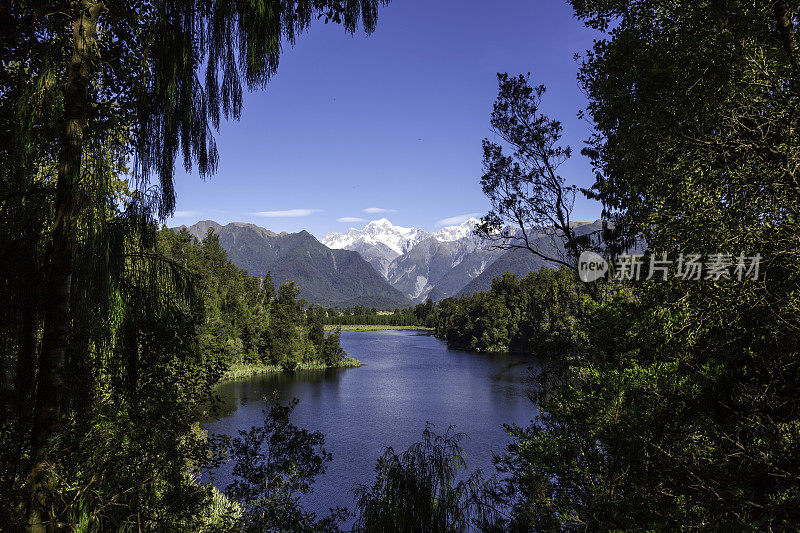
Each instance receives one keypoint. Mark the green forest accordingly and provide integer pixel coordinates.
(668, 402)
(246, 324)
(543, 314)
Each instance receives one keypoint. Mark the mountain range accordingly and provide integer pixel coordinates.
(449, 262)
(381, 265)
(415, 261)
(325, 276)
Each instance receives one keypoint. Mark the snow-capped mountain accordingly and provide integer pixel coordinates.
(380, 242)
(456, 233)
(447, 262)
(396, 238)
(415, 261)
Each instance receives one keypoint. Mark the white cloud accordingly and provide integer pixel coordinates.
(287, 213)
(349, 219)
(458, 219)
(185, 214)
(374, 210)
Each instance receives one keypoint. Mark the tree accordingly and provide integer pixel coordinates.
(524, 188)
(133, 338)
(417, 490)
(267, 288)
(91, 88)
(284, 317)
(316, 327)
(331, 351)
(714, 173)
(274, 464)
(662, 421)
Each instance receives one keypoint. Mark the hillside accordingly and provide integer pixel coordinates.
(326, 277)
(418, 263)
(522, 262)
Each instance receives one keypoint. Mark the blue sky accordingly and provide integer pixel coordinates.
(390, 125)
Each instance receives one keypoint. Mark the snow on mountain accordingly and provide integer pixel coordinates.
(415, 261)
(456, 233)
(399, 239)
(447, 262)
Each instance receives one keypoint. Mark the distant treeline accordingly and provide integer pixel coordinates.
(536, 313)
(419, 315)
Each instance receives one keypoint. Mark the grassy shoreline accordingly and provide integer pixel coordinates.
(246, 370)
(362, 327)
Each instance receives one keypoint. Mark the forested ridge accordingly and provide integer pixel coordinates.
(669, 402)
(246, 321)
(328, 277)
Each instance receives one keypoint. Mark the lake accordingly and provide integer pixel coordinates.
(409, 378)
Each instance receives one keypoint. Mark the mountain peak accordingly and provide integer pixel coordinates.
(383, 225)
(455, 233)
(326, 277)
(398, 239)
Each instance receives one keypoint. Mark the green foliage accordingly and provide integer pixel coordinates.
(417, 490)
(100, 372)
(129, 452)
(134, 457)
(247, 370)
(274, 465)
(542, 313)
(330, 350)
(246, 323)
(316, 327)
(681, 410)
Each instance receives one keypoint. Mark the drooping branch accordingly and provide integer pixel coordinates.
(56, 328)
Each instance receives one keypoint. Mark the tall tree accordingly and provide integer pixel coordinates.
(521, 178)
(682, 412)
(268, 288)
(120, 83)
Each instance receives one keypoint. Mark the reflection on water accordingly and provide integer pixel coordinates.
(244, 391)
(409, 379)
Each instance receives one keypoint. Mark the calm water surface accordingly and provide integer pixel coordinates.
(409, 379)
